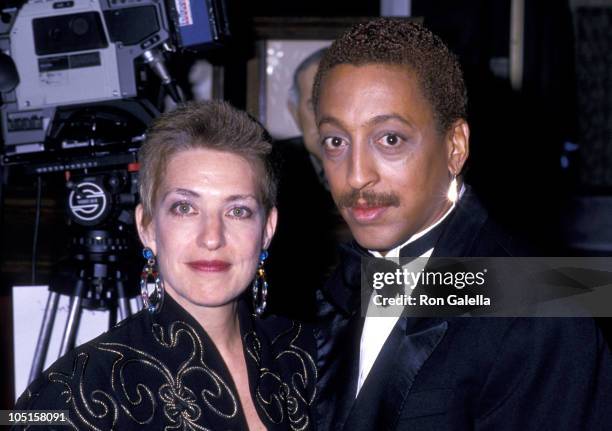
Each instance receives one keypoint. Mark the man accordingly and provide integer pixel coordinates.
(300, 106)
(390, 104)
(309, 223)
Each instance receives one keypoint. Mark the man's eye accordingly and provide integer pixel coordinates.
(333, 142)
(390, 140)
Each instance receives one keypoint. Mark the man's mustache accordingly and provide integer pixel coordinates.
(371, 199)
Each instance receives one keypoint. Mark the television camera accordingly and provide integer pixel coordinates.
(72, 94)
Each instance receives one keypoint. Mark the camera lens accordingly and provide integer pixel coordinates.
(79, 26)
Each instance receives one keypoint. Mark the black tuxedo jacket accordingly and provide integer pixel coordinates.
(460, 373)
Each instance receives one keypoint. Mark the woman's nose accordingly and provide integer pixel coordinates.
(211, 232)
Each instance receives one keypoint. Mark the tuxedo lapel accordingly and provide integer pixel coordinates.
(421, 338)
(386, 388)
(368, 409)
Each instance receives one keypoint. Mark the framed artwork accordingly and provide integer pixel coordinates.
(282, 57)
(282, 44)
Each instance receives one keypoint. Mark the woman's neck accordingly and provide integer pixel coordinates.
(220, 323)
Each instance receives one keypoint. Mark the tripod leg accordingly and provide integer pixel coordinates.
(72, 324)
(124, 303)
(42, 345)
(112, 316)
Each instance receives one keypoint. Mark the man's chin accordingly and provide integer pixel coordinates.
(373, 242)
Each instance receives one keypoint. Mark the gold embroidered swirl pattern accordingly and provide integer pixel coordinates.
(297, 394)
(99, 410)
(138, 398)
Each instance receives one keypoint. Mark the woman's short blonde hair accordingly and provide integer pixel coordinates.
(211, 125)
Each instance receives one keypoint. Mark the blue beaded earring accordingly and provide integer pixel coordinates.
(150, 275)
(260, 286)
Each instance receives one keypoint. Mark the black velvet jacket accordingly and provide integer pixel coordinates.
(162, 372)
(461, 373)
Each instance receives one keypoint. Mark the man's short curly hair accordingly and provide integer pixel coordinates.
(397, 41)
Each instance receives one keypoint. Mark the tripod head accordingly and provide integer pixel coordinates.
(103, 241)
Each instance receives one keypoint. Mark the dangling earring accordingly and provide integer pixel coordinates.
(260, 283)
(453, 190)
(150, 273)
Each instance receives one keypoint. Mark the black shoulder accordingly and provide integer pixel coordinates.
(470, 231)
(54, 388)
(540, 358)
(496, 241)
(57, 388)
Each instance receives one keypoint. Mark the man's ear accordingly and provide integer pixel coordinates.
(270, 227)
(458, 146)
(146, 233)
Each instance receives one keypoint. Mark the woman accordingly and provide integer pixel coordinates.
(196, 357)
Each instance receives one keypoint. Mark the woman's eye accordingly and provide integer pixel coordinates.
(390, 140)
(240, 212)
(182, 208)
(333, 142)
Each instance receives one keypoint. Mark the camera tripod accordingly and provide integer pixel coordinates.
(99, 274)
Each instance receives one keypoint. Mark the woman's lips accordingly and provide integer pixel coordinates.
(209, 265)
(365, 214)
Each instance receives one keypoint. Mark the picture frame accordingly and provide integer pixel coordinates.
(281, 45)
